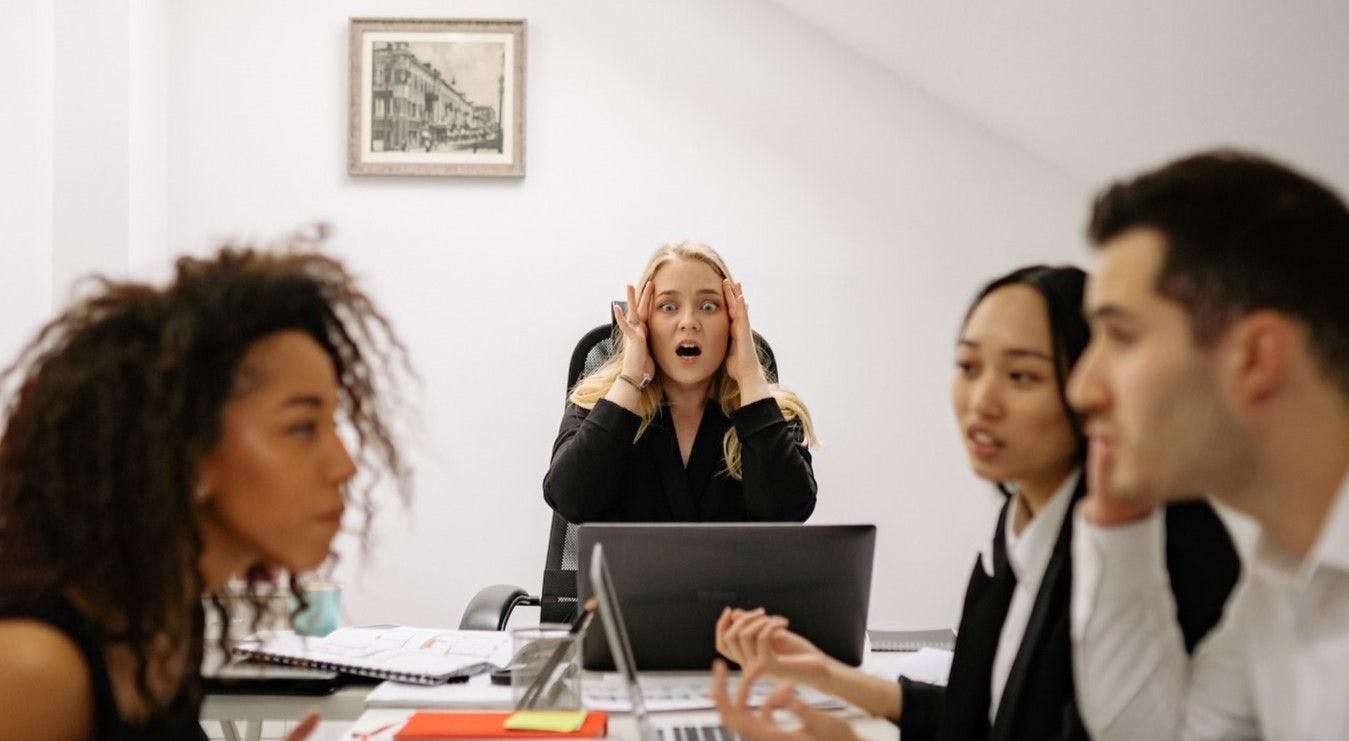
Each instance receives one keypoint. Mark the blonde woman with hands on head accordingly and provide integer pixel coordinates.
(683, 423)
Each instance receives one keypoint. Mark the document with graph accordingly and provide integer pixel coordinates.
(400, 653)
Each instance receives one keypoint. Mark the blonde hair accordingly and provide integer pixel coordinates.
(590, 389)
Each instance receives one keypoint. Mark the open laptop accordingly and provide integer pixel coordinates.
(676, 578)
(615, 631)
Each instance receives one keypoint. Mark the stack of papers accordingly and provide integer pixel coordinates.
(417, 655)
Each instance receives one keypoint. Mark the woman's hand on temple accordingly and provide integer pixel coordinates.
(742, 357)
(637, 361)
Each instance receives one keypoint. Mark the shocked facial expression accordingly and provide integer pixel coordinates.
(1149, 393)
(689, 326)
(275, 479)
(1006, 396)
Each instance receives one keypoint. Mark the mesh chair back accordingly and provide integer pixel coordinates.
(558, 595)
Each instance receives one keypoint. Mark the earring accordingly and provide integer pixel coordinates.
(200, 494)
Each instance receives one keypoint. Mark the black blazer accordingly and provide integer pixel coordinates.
(1038, 701)
(598, 474)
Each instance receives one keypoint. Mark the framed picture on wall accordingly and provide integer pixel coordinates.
(436, 97)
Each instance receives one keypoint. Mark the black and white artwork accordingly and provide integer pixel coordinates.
(436, 97)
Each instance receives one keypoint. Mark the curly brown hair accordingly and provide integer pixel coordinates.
(116, 401)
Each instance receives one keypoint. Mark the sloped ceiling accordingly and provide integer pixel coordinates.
(1103, 89)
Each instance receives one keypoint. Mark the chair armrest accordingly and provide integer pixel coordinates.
(491, 607)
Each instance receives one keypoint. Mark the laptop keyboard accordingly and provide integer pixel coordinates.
(693, 692)
(696, 733)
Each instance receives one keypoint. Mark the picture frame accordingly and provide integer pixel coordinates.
(436, 97)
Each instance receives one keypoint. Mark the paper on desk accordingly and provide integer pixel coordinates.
(478, 692)
(924, 665)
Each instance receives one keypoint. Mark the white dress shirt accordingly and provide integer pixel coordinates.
(1029, 547)
(1276, 666)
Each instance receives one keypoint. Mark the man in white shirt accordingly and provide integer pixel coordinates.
(1219, 364)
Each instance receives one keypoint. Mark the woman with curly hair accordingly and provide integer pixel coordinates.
(159, 442)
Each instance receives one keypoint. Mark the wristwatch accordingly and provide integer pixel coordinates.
(646, 380)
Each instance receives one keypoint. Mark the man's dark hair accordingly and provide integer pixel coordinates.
(1243, 233)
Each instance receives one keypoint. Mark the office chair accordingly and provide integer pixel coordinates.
(491, 607)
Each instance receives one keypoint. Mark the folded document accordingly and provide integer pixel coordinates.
(415, 655)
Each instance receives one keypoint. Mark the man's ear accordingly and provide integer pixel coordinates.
(1262, 345)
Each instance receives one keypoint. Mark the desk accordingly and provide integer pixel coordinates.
(622, 726)
(346, 704)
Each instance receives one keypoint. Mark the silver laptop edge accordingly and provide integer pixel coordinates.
(621, 648)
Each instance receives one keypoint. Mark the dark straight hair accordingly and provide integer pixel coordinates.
(1243, 233)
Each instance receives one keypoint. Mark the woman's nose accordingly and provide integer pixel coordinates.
(986, 396)
(341, 466)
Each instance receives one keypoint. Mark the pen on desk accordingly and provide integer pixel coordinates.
(365, 735)
(541, 680)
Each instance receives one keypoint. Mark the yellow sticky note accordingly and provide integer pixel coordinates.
(557, 721)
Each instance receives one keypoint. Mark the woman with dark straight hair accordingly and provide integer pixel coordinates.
(1012, 674)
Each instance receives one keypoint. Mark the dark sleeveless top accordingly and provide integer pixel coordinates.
(108, 724)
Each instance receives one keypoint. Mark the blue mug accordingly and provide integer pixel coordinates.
(319, 617)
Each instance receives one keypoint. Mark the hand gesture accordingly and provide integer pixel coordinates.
(742, 358)
(751, 725)
(762, 642)
(1100, 506)
(637, 362)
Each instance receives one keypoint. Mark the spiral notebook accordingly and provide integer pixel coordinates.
(400, 653)
(912, 640)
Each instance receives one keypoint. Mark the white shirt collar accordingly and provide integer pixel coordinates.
(1330, 551)
(1029, 552)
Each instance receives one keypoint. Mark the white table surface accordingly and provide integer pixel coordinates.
(348, 704)
(622, 726)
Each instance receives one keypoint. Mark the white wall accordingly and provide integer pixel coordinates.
(91, 125)
(859, 213)
(26, 182)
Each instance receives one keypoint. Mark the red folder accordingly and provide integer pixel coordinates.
(426, 725)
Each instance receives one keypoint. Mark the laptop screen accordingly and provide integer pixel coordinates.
(676, 578)
(616, 632)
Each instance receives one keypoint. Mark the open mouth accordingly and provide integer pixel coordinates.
(688, 351)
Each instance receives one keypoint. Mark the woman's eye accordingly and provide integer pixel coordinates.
(965, 367)
(709, 306)
(302, 429)
(666, 308)
(1022, 377)
(1119, 336)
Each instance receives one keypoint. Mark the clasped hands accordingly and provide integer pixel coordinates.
(762, 645)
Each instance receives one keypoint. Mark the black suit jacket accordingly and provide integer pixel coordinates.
(599, 474)
(1038, 701)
